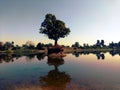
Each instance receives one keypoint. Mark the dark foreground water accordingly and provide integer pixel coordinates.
(73, 72)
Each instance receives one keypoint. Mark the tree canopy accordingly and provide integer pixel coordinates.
(54, 28)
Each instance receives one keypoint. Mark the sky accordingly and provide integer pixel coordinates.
(88, 20)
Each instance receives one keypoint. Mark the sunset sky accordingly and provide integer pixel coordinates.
(89, 20)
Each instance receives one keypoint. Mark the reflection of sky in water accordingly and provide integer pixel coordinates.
(84, 70)
(88, 69)
(22, 70)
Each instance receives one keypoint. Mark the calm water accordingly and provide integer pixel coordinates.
(97, 71)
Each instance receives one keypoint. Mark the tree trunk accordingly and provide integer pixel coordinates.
(56, 68)
(56, 42)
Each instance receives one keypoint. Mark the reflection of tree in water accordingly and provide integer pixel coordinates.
(11, 57)
(41, 56)
(114, 52)
(30, 56)
(100, 56)
(55, 80)
(76, 54)
(6, 58)
(17, 56)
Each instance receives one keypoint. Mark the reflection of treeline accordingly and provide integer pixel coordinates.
(99, 54)
(87, 53)
(41, 56)
(11, 57)
(115, 52)
(6, 58)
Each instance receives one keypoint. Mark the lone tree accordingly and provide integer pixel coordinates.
(54, 28)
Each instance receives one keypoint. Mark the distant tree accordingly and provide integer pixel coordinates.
(1, 46)
(24, 46)
(48, 45)
(72, 45)
(98, 43)
(111, 45)
(18, 47)
(31, 47)
(8, 45)
(102, 43)
(119, 44)
(77, 44)
(40, 46)
(54, 28)
(85, 46)
(12, 43)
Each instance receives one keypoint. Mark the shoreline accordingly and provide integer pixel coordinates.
(67, 50)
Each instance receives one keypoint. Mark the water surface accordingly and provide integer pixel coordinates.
(91, 71)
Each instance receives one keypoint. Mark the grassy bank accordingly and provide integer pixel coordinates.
(22, 51)
(71, 50)
(101, 50)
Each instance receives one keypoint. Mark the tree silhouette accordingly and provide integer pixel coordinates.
(54, 28)
(98, 43)
(40, 46)
(102, 43)
(77, 45)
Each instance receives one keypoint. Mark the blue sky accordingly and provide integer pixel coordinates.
(89, 20)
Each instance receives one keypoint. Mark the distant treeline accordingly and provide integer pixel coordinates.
(28, 45)
(100, 44)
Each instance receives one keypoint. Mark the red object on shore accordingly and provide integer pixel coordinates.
(55, 49)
